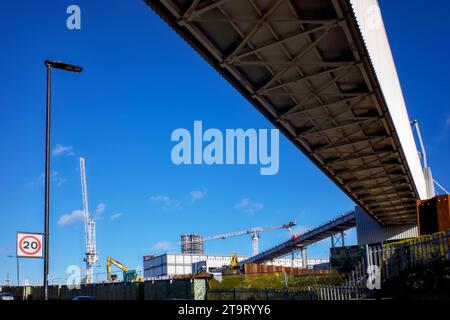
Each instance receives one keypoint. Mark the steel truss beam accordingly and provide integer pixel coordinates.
(360, 156)
(334, 110)
(319, 131)
(369, 139)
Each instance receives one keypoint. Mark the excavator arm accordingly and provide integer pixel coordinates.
(119, 265)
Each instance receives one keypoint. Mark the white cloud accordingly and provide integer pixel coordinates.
(99, 210)
(249, 206)
(60, 150)
(160, 199)
(161, 246)
(78, 215)
(66, 219)
(448, 121)
(56, 178)
(116, 215)
(198, 194)
(350, 232)
(166, 201)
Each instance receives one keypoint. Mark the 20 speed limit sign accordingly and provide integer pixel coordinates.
(30, 245)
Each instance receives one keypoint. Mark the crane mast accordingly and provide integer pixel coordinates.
(255, 243)
(89, 228)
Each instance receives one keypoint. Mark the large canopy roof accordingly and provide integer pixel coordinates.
(305, 65)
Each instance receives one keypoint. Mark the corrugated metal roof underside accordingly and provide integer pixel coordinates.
(302, 63)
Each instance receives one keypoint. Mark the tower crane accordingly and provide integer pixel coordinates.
(89, 228)
(254, 232)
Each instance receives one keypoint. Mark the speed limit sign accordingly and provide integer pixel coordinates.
(30, 245)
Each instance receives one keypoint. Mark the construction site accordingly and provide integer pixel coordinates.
(319, 73)
(283, 271)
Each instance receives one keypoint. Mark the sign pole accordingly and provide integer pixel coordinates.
(28, 245)
(18, 278)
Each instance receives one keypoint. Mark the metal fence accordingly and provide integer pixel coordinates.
(395, 257)
(358, 276)
(341, 293)
(310, 293)
(259, 294)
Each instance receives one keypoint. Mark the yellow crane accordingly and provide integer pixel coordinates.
(128, 275)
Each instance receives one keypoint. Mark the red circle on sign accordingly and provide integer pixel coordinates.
(30, 253)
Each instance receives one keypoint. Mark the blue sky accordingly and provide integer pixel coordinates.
(140, 82)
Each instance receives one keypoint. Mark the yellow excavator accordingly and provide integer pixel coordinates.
(234, 267)
(234, 264)
(128, 275)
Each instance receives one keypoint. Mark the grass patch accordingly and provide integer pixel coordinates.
(276, 280)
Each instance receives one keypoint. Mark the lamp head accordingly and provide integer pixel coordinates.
(63, 66)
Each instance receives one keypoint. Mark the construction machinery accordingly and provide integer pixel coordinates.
(254, 232)
(91, 256)
(128, 275)
(234, 264)
(233, 268)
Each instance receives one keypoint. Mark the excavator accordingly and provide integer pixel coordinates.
(234, 266)
(128, 275)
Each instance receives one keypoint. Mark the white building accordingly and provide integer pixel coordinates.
(171, 264)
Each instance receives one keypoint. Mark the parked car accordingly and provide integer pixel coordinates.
(6, 296)
(80, 298)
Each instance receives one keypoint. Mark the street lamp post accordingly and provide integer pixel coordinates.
(67, 67)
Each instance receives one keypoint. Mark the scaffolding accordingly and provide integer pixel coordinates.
(192, 244)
